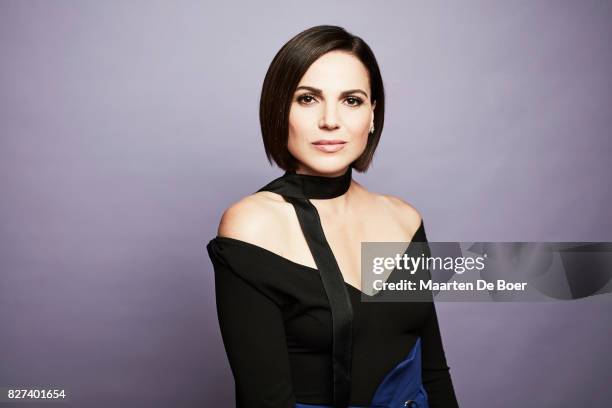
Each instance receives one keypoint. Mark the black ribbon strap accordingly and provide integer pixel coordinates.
(333, 283)
(337, 294)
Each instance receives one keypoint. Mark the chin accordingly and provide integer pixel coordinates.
(327, 167)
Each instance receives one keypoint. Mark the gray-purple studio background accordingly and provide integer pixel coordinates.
(127, 127)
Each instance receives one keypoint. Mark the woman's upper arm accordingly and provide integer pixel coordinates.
(253, 334)
(251, 322)
(436, 373)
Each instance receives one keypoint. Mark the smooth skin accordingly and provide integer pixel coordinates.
(322, 109)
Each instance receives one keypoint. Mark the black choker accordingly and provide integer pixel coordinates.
(292, 184)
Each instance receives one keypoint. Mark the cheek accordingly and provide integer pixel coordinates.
(298, 129)
(302, 125)
(358, 122)
(358, 126)
(300, 120)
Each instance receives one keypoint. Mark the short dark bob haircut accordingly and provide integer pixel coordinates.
(289, 66)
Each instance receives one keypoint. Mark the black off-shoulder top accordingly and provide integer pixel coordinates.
(292, 334)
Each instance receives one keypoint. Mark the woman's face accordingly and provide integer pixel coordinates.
(331, 103)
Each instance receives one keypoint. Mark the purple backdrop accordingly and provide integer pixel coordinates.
(127, 127)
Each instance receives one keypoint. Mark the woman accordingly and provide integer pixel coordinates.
(287, 257)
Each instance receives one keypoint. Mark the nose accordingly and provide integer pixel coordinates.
(329, 118)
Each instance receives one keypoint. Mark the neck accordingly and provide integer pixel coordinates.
(309, 172)
(311, 186)
(320, 187)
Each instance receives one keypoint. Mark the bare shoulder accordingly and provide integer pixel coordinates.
(404, 212)
(256, 218)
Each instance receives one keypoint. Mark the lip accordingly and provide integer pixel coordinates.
(323, 141)
(329, 146)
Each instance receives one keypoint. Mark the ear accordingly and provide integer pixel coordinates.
(373, 106)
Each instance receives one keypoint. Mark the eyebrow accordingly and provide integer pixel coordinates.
(319, 92)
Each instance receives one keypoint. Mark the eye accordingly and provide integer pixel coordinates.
(305, 99)
(354, 101)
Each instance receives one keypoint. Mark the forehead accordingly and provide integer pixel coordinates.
(336, 71)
